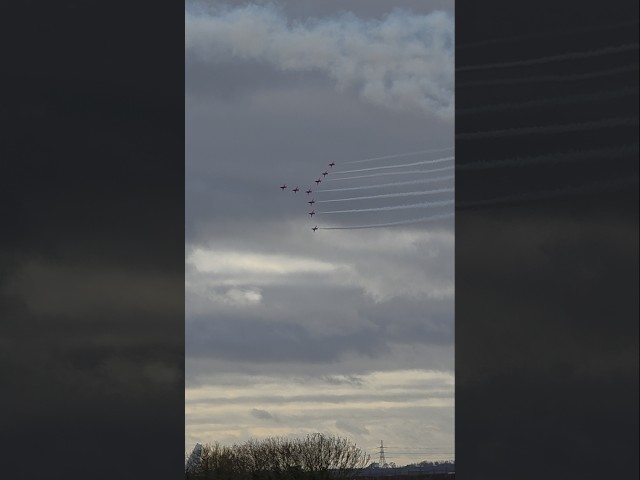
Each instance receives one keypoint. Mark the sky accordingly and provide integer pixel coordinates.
(347, 331)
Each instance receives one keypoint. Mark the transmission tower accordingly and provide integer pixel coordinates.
(382, 461)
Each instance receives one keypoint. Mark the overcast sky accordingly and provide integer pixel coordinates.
(290, 331)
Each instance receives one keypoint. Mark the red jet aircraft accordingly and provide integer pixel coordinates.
(308, 192)
(311, 202)
(295, 190)
(318, 181)
(283, 186)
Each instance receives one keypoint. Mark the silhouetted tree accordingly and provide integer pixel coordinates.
(315, 457)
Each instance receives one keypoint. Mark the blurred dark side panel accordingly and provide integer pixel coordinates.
(546, 240)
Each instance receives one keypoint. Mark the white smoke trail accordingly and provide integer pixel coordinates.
(403, 62)
(440, 203)
(548, 194)
(401, 155)
(393, 184)
(392, 224)
(392, 173)
(554, 58)
(549, 102)
(423, 162)
(550, 78)
(391, 195)
(608, 153)
(547, 34)
(571, 127)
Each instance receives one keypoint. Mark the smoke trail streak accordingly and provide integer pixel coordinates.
(548, 194)
(392, 173)
(440, 203)
(554, 58)
(609, 153)
(571, 127)
(391, 195)
(391, 224)
(550, 78)
(401, 155)
(394, 184)
(550, 102)
(547, 34)
(423, 162)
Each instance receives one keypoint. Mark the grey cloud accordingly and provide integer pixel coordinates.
(350, 428)
(261, 414)
(398, 356)
(424, 393)
(256, 340)
(403, 62)
(343, 379)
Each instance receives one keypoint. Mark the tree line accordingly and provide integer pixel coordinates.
(314, 457)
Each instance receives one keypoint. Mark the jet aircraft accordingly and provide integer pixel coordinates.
(311, 202)
(315, 228)
(318, 181)
(312, 213)
(295, 190)
(325, 173)
(332, 164)
(308, 192)
(283, 186)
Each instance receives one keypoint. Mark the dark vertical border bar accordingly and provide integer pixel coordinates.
(546, 240)
(91, 243)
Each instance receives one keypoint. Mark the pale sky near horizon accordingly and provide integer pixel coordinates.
(290, 331)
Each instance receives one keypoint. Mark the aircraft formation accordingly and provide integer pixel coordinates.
(378, 202)
(310, 191)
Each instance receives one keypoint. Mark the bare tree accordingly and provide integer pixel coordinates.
(315, 457)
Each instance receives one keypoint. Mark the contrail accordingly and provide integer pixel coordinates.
(423, 162)
(571, 127)
(439, 203)
(392, 173)
(547, 34)
(549, 102)
(391, 195)
(394, 184)
(551, 78)
(554, 58)
(547, 194)
(401, 155)
(391, 224)
(609, 153)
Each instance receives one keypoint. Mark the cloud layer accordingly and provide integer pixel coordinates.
(403, 61)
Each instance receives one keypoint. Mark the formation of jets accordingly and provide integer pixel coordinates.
(309, 191)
